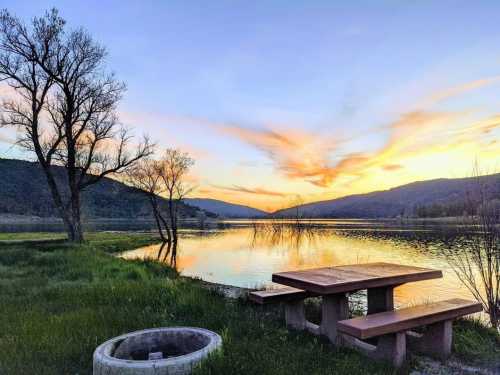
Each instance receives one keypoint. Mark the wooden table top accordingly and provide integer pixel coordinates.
(350, 278)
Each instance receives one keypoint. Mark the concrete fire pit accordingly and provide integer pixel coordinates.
(159, 351)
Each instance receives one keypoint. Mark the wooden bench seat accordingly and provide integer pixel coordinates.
(391, 327)
(405, 319)
(264, 297)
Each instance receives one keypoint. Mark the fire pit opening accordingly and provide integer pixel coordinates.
(162, 344)
(159, 351)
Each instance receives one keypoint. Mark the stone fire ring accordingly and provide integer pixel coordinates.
(183, 348)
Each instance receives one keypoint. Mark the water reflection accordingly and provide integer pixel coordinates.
(246, 257)
(167, 253)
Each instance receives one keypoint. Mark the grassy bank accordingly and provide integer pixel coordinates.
(60, 301)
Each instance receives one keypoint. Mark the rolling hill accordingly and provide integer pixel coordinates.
(225, 209)
(440, 197)
(24, 191)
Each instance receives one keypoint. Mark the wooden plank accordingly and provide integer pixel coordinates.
(278, 295)
(350, 278)
(407, 318)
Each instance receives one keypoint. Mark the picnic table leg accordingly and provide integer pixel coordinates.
(380, 299)
(436, 341)
(295, 316)
(334, 308)
(392, 348)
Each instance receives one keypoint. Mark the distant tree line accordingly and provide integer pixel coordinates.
(455, 209)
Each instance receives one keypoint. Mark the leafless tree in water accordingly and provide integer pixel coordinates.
(477, 262)
(165, 176)
(173, 168)
(64, 107)
(145, 178)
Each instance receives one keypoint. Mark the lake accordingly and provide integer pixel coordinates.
(245, 253)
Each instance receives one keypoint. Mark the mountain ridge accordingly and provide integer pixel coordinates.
(23, 191)
(226, 209)
(447, 194)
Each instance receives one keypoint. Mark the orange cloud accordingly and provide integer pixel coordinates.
(306, 156)
(297, 154)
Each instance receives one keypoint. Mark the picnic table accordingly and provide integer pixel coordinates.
(384, 332)
(334, 284)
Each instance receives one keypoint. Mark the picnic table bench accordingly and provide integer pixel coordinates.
(382, 326)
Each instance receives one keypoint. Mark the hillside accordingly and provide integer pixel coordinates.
(441, 197)
(225, 209)
(24, 191)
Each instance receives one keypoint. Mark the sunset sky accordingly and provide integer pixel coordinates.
(276, 99)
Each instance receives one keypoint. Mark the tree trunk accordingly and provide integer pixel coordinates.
(173, 217)
(173, 257)
(75, 223)
(167, 228)
(157, 219)
(64, 212)
(494, 314)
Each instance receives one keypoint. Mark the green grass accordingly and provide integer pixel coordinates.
(59, 301)
(475, 343)
(31, 236)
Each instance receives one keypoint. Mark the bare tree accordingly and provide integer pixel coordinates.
(144, 176)
(173, 168)
(65, 107)
(477, 263)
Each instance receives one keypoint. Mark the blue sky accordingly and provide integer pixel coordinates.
(229, 80)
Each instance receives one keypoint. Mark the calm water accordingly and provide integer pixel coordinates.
(244, 256)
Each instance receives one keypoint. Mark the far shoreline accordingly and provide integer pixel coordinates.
(14, 219)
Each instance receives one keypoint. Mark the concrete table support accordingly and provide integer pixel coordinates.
(390, 348)
(295, 315)
(435, 342)
(335, 307)
(380, 299)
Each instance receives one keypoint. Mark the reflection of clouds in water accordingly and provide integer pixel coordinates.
(241, 257)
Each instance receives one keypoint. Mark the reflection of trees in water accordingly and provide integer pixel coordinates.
(168, 249)
(425, 240)
(283, 233)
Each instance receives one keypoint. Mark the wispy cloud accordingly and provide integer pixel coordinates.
(392, 167)
(245, 190)
(458, 90)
